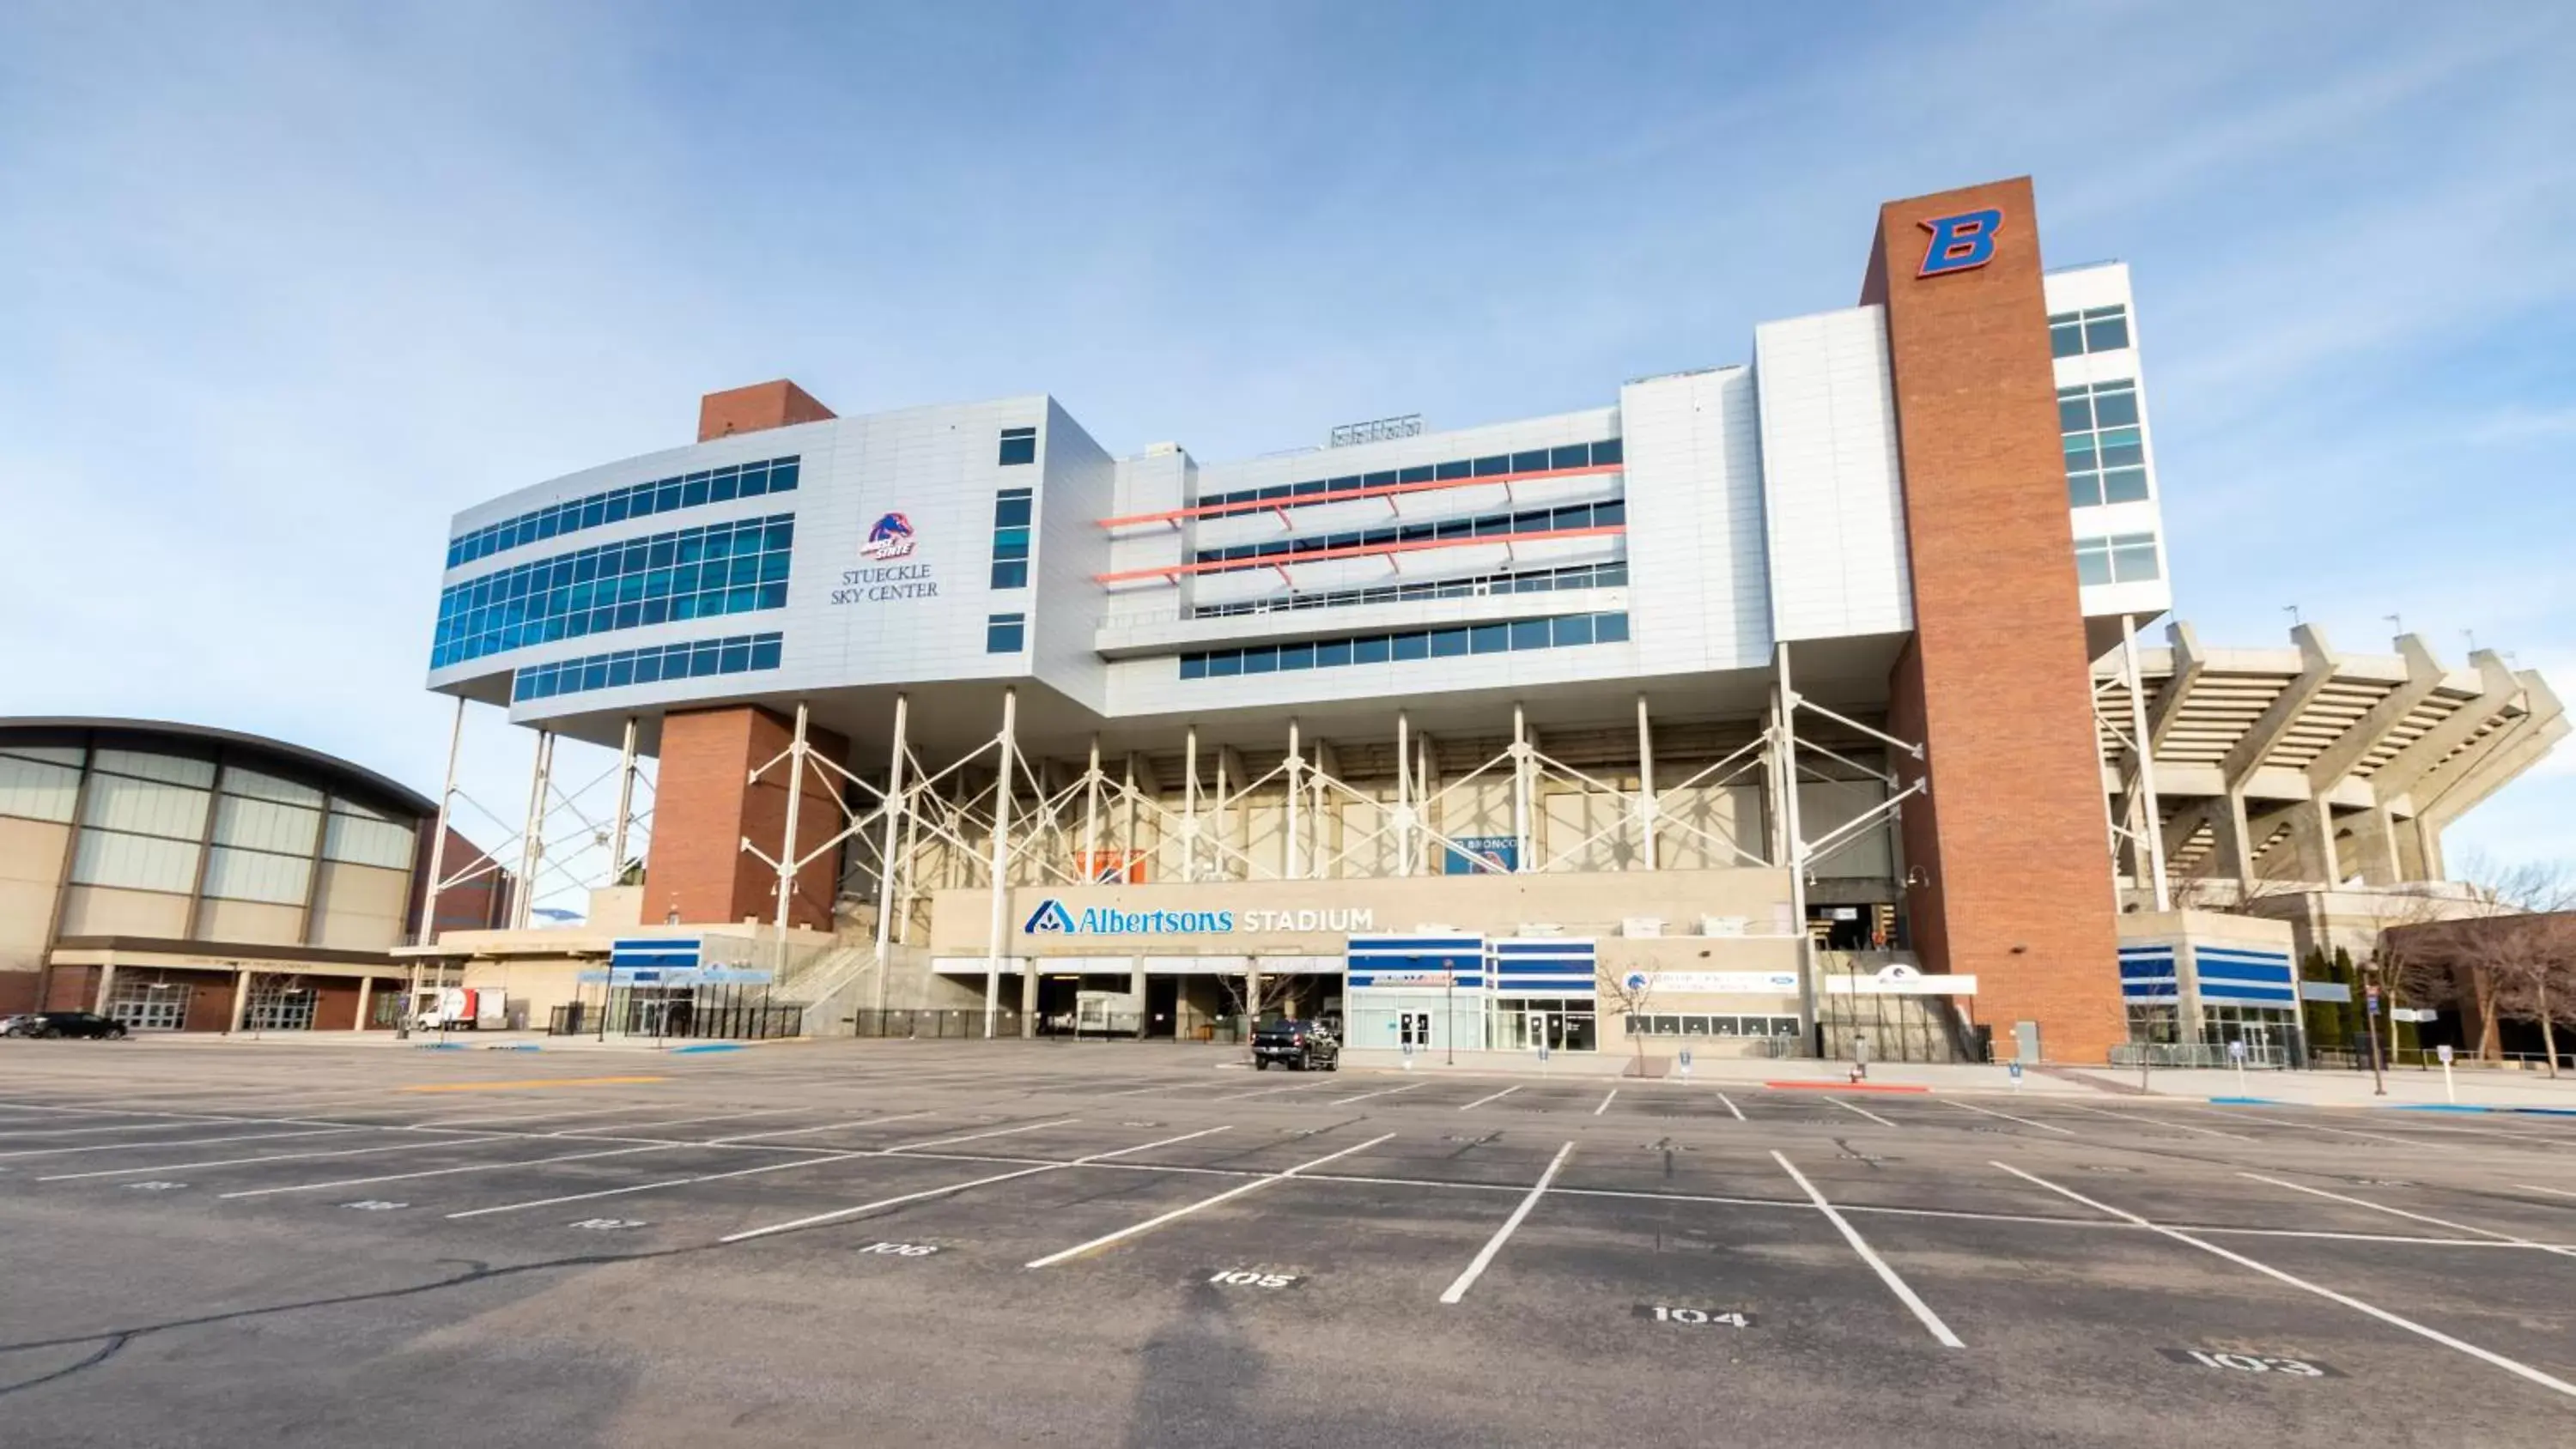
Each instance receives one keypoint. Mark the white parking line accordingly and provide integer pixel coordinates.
(181, 1142)
(2134, 1117)
(443, 1171)
(239, 1161)
(1730, 1106)
(809, 1131)
(869, 1207)
(978, 1136)
(1267, 1091)
(1886, 1274)
(1381, 1092)
(51, 1132)
(2007, 1116)
(2521, 1370)
(1863, 1111)
(521, 1117)
(1496, 1097)
(2397, 1212)
(2552, 1191)
(1605, 1103)
(511, 1207)
(2322, 1127)
(1485, 1255)
(1239, 1190)
(673, 1122)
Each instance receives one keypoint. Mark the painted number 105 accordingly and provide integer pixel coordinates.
(1246, 1278)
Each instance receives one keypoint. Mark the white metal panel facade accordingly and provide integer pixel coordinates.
(1833, 498)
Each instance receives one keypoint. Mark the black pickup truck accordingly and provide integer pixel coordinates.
(1298, 1045)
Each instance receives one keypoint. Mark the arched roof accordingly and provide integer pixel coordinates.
(330, 769)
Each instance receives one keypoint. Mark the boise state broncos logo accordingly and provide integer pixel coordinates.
(890, 538)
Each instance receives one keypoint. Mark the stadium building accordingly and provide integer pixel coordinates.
(1760, 704)
(182, 878)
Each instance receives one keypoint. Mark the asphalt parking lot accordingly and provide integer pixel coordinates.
(900, 1243)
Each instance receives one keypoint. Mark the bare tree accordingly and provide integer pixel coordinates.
(2514, 938)
(1251, 996)
(1627, 989)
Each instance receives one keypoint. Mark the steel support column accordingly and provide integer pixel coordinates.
(428, 931)
(1792, 831)
(625, 806)
(787, 850)
(1645, 788)
(1189, 806)
(890, 865)
(1001, 903)
(1404, 796)
(2152, 829)
(1521, 850)
(532, 848)
(1292, 859)
(1091, 817)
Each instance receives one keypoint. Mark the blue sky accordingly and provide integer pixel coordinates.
(288, 285)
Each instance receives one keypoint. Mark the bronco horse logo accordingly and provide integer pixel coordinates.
(890, 538)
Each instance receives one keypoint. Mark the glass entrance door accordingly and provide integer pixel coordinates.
(144, 1006)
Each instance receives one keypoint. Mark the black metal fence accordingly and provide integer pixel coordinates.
(719, 1012)
(967, 1022)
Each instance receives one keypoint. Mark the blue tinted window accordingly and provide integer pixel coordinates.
(616, 505)
(1577, 456)
(1010, 574)
(1019, 445)
(616, 587)
(737, 655)
(1562, 632)
(1607, 452)
(1005, 633)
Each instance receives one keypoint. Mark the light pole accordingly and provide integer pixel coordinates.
(1449, 1008)
(2370, 1022)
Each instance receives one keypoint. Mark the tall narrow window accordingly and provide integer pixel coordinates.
(1019, 445)
(1011, 510)
(1005, 633)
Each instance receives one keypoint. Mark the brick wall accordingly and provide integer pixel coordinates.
(1996, 681)
(703, 809)
(751, 409)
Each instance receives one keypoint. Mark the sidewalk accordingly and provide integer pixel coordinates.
(522, 1041)
(2477, 1087)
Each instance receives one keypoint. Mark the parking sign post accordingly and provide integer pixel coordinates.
(2448, 1090)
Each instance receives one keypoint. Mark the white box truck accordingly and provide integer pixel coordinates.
(461, 1008)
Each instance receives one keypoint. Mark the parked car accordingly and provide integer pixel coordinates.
(64, 1023)
(1299, 1045)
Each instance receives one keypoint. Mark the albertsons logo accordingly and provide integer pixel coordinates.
(1052, 919)
(890, 538)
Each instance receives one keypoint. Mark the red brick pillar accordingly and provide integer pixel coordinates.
(1996, 681)
(705, 805)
